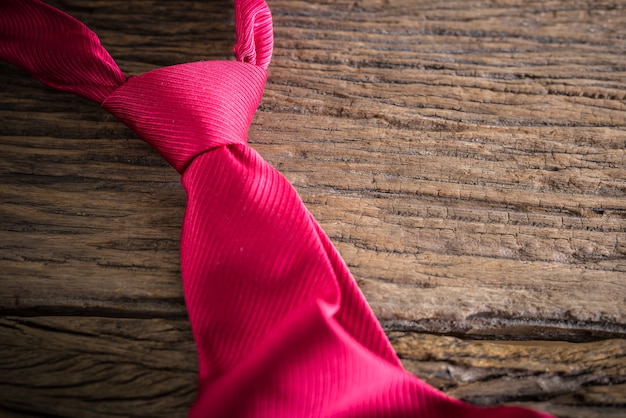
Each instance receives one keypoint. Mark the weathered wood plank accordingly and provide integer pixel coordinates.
(100, 367)
(96, 367)
(501, 128)
(570, 380)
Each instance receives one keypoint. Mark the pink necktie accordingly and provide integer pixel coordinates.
(281, 328)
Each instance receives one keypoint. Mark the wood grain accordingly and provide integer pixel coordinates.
(467, 159)
(561, 376)
(463, 161)
(96, 367)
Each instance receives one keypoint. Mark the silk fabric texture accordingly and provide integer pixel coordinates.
(280, 326)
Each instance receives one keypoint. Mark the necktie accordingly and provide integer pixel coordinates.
(281, 328)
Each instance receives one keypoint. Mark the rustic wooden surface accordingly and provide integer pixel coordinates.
(467, 158)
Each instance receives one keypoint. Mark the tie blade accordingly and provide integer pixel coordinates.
(281, 328)
(256, 267)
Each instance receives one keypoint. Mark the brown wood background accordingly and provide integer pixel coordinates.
(466, 157)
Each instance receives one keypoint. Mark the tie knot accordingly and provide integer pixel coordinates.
(187, 109)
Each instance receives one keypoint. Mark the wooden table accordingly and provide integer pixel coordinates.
(466, 157)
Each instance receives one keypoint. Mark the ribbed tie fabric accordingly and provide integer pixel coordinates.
(281, 328)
